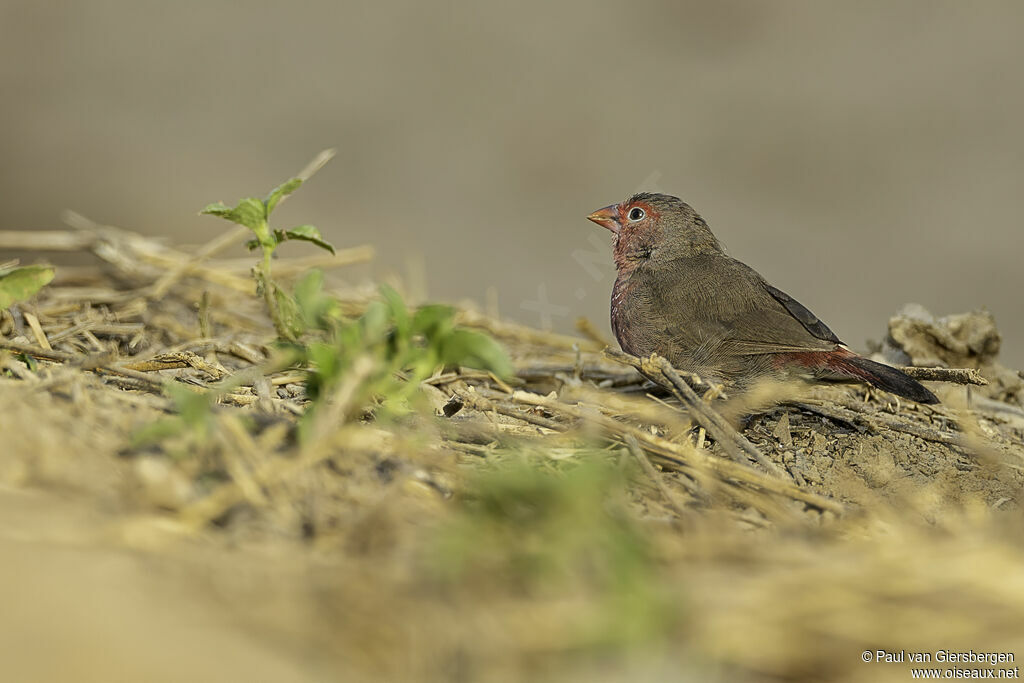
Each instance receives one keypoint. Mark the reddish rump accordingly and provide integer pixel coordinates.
(836, 361)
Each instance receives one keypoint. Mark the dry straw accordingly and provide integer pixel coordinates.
(785, 531)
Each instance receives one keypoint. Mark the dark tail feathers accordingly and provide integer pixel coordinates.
(887, 378)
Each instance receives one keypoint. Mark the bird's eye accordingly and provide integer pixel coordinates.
(636, 214)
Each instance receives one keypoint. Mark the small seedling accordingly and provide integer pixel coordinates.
(254, 214)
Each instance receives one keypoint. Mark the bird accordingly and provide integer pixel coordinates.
(679, 295)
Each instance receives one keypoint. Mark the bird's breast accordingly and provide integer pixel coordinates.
(624, 325)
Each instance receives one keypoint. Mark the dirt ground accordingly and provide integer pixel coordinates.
(570, 523)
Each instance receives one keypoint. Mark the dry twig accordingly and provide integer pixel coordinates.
(677, 456)
(951, 375)
(734, 443)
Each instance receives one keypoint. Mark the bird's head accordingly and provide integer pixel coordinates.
(654, 226)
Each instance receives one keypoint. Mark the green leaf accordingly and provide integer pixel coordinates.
(399, 313)
(195, 411)
(325, 367)
(155, 432)
(280, 192)
(433, 320)
(195, 407)
(316, 309)
(474, 350)
(309, 290)
(289, 311)
(219, 209)
(251, 213)
(375, 322)
(309, 233)
(21, 283)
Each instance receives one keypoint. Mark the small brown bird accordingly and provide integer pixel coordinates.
(679, 295)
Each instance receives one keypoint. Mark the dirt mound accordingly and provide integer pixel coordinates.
(569, 522)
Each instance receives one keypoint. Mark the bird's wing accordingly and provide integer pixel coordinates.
(730, 305)
(796, 309)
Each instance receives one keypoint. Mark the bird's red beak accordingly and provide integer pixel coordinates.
(608, 217)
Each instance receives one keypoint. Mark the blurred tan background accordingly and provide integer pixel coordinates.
(860, 156)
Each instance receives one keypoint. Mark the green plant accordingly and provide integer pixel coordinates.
(193, 418)
(19, 284)
(255, 214)
(395, 348)
(401, 347)
(405, 347)
(559, 531)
